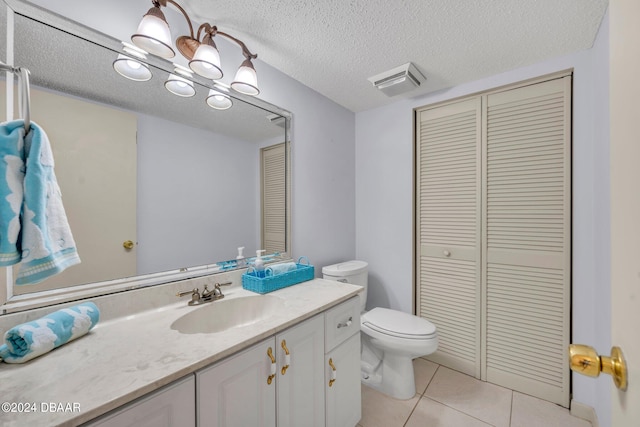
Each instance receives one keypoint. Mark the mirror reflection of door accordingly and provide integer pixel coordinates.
(274, 198)
(89, 142)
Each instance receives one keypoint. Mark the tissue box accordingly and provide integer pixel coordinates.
(266, 284)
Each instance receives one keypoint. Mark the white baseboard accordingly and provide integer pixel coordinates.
(585, 412)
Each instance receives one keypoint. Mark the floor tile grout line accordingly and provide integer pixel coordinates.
(511, 410)
(459, 411)
(421, 395)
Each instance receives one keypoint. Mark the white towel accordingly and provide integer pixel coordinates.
(284, 267)
(33, 224)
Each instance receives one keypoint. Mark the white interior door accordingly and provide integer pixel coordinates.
(95, 165)
(625, 202)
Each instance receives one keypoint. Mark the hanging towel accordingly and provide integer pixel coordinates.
(33, 225)
(29, 340)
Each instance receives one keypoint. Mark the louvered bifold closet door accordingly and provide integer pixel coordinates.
(448, 228)
(527, 238)
(274, 198)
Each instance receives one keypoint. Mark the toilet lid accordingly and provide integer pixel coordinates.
(398, 324)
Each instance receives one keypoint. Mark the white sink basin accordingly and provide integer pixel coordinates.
(218, 316)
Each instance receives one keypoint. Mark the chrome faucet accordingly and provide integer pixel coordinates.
(207, 295)
(195, 296)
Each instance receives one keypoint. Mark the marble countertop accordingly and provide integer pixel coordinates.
(128, 357)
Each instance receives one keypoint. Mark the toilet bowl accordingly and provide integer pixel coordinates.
(391, 339)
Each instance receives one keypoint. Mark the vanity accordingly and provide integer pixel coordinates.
(296, 364)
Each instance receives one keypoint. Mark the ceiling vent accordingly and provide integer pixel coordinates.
(398, 80)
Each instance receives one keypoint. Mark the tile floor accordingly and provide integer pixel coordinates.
(447, 398)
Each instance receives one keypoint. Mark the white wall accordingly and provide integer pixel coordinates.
(178, 228)
(323, 173)
(384, 191)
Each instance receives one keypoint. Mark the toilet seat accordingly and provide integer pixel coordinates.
(398, 324)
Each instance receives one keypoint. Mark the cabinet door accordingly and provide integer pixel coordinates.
(342, 367)
(448, 204)
(172, 406)
(238, 391)
(300, 385)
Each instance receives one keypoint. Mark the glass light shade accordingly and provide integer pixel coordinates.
(206, 62)
(179, 86)
(153, 34)
(246, 80)
(218, 101)
(132, 68)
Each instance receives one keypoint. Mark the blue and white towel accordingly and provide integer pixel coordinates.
(33, 224)
(29, 340)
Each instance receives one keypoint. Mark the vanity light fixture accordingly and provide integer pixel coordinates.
(178, 82)
(154, 36)
(131, 65)
(218, 100)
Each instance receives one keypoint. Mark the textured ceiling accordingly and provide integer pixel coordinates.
(333, 46)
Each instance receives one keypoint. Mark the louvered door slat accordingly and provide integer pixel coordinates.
(274, 198)
(526, 275)
(448, 191)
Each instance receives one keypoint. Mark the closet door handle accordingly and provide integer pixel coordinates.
(332, 378)
(287, 357)
(273, 366)
(446, 253)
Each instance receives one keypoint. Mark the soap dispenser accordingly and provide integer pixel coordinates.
(258, 264)
(240, 259)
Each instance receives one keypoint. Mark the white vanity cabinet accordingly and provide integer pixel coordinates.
(173, 405)
(300, 375)
(237, 391)
(342, 365)
(263, 386)
(241, 390)
(306, 375)
(316, 384)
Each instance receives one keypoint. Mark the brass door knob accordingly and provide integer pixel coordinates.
(128, 244)
(584, 360)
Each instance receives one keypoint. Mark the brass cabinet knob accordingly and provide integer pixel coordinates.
(128, 244)
(584, 360)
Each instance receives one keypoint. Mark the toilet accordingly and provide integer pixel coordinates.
(391, 339)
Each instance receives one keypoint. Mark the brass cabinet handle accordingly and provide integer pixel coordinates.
(273, 366)
(128, 244)
(287, 357)
(332, 379)
(584, 360)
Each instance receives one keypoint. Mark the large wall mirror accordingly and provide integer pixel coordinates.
(184, 183)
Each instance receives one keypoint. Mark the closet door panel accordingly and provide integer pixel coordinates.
(527, 239)
(447, 222)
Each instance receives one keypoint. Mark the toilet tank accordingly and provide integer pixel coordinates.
(354, 272)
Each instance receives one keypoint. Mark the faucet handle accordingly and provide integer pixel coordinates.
(195, 296)
(194, 291)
